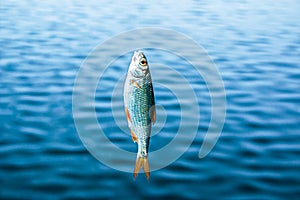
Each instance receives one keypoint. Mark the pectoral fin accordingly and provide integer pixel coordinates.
(136, 84)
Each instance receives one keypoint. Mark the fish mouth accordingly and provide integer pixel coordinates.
(139, 54)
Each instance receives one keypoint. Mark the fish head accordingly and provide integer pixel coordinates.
(139, 64)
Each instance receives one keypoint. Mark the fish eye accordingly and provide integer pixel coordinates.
(143, 62)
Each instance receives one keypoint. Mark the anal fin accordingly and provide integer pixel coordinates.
(134, 137)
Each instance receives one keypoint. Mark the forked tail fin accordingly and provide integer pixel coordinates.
(141, 162)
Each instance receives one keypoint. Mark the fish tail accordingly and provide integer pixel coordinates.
(141, 162)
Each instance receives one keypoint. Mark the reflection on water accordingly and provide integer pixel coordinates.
(254, 44)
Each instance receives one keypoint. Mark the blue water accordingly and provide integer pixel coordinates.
(256, 46)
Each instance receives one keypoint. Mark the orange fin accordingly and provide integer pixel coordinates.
(153, 114)
(141, 162)
(136, 84)
(127, 115)
(134, 137)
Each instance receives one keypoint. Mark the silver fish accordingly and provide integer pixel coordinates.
(140, 108)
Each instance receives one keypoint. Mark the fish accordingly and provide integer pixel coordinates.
(139, 104)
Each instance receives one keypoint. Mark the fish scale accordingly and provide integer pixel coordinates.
(139, 109)
(142, 117)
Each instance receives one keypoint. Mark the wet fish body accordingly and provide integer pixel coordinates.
(140, 108)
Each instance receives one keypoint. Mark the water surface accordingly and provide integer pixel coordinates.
(256, 46)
